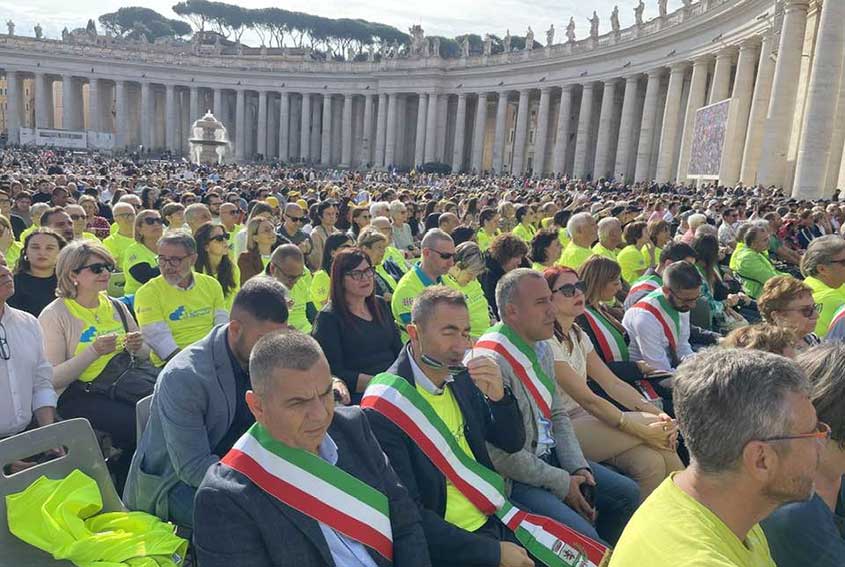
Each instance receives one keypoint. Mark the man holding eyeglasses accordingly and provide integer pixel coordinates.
(287, 265)
(438, 257)
(179, 307)
(659, 325)
(755, 443)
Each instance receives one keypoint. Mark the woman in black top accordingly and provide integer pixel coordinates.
(356, 328)
(35, 276)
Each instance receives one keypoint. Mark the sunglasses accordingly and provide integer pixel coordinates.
(77, 217)
(295, 219)
(96, 268)
(570, 289)
(808, 310)
(220, 238)
(443, 255)
(150, 221)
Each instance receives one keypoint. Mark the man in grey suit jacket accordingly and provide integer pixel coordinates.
(198, 409)
(257, 513)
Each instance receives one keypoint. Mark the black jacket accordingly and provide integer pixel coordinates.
(499, 423)
(237, 524)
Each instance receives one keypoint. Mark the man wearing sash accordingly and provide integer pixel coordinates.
(476, 409)
(549, 471)
(659, 324)
(652, 279)
(307, 485)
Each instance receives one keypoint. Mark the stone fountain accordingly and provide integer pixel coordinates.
(209, 143)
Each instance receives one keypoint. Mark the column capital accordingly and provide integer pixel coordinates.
(567, 88)
(655, 73)
(791, 5)
(462, 96)
(750, 43)
(726, 52)
(610, 82)
(679, 67)
(483, 94)
(588, 86)
(703, 60)
(635, 78)
(545, 90)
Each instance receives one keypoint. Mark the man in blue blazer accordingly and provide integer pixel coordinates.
(198, 409)
(308, 484)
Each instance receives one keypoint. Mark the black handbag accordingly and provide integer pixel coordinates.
(124, 378)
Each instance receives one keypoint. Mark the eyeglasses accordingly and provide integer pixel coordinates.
(684, 300)
(808, 310)
(96, 268)
(359, 275)
(125, 215)
(5, 353)
(150, 221)
(219, 238)
(842, 261)
(443, 255)
(172, 261)
(570, 289)
(295, 219)
(286, 278)
(821, 433)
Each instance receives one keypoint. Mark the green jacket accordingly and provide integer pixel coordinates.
(755, 269)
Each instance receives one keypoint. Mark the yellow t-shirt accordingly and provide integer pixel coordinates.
(670, 528)
(136, 254)
(600, 249)
(485, 239)
(632, 263)
(479, 309)
(574, 256)
(117, 245)
(99, 321)
(13, 252)
(524, 232)
(189, 313)
(321, 285)
(459, 510)
(299, 298)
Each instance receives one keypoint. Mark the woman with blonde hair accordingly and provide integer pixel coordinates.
(84, 332)
(762, 336)
(260, 242)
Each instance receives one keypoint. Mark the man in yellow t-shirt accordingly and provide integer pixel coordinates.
(823, 266)
(124, 237)
(287, 265)
(610, 237)
(179, 307)
(755, 443)
(583, 231)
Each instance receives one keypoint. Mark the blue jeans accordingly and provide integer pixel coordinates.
(617, 497)
(180, 505)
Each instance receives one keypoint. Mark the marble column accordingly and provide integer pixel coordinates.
(648, 126)
(666, 169)
(147, 115)
(194, 112)
(583, 139)
(721, 88)
(759, 110)
(170, 118)
(121, 115)
(814, 151)
(542, 132)
(837, 145)
(419, 138)
(390, 135)
(499, 140)
(305, 129)
(431, 129)
(602, 165)
(261, 134)
(625, 148)
(346, 147)
(696, 100)
(367, 130)
(737, 127)
(478, 133)
(240, 124)
(43, 86)
(70, 104)
(778, 129)
(284, 126)
(326, 139)
(94, 105)
(218, 105)
(460, 134)
(562, 133)
(521, 133)
(13, 106)
(381, 119)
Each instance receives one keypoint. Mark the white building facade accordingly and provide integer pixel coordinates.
(620, 105)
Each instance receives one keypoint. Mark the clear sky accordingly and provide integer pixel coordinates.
(437, 17)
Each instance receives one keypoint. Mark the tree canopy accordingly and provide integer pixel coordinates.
(134, 21)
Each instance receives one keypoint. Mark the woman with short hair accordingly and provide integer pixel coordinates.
(787, 302)
(545, 249)
(374, 244)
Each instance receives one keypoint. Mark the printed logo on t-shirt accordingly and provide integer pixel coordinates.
(88, 335)
(181, 313)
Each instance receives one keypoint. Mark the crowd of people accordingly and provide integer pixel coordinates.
(374, 368)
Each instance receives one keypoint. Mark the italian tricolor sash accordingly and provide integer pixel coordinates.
(837, 318)
(647, 283)
(552, 543)
(314, 487)
(610, 339)
(669, 318)
(502, 340)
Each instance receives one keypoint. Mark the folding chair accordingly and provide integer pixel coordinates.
(82, 452)
(142, 416)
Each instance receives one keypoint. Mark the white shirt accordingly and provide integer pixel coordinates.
(649, 342)
(26, 379)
